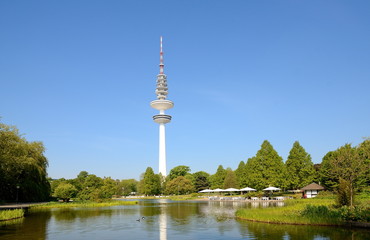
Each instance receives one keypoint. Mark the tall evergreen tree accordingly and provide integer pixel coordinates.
(266, 168)
(254, 174)
(329, 181)
(230, 179)
(241, 175)
(300, 170)
(217, 179)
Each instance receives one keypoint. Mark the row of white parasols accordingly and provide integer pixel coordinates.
(247, 189)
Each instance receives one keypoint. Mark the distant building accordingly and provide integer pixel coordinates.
(311, 190)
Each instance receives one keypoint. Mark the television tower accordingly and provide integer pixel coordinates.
(162, 104)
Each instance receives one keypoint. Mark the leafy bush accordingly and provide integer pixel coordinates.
(357, 213)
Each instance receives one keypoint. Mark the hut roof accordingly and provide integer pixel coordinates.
(313, 186)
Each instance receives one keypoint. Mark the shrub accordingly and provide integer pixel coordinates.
(344, 193)
(357, 213)
(319, 211)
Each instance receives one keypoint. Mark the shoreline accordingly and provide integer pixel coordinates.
(344, 224)
(10, 219)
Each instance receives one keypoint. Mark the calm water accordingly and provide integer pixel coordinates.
(163, 219)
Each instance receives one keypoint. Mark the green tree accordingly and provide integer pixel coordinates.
(179, 185)
(178, 171)
(65, 191)
(54, 183)
(241, 174)
(254, 174)
(22, 167)
(345, 163)
(230, 179)
(109, 188)
(217, 179)
(266, 168)
(89, 187)
(201, 181)
(364, 152)
(150, 183)
(300, 170)
(328, 180)
(128, 186)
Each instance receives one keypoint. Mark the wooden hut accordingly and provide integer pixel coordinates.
(311, 190)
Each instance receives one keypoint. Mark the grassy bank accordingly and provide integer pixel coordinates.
(183, 197)
(314, 211)
(82, 204)
(6, 215)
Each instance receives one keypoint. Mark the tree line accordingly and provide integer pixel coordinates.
(23, 173)
(347, 166)
(89, 187)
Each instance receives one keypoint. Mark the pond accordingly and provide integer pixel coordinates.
(163, 219)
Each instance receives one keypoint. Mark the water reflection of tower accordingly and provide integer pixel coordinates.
(162, 104)
(163, 223)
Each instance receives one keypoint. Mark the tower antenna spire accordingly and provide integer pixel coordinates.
(161, 64)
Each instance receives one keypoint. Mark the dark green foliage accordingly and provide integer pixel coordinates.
(356, 213)
(22, 164)
(201, 181)
(344, 193)
(300, 170)
(313, 211)
(345, 213)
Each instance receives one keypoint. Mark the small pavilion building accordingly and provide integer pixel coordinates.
(311, 190)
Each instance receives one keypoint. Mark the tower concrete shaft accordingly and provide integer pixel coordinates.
(162, 150)
(162, 104)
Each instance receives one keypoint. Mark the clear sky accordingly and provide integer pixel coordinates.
(79, 76)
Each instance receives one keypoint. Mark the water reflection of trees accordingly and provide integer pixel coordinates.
(256, 230)
(30, 227)
(179, 212)
(84, 214)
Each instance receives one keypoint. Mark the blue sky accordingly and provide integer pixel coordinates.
(79, 76)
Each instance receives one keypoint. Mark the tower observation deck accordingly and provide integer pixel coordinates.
(162, 104)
